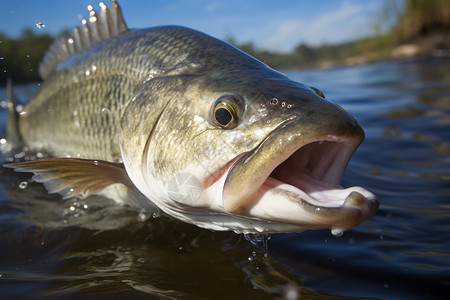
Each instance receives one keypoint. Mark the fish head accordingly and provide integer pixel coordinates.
(250, 153)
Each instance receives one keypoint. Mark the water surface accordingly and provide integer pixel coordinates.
(92, 248)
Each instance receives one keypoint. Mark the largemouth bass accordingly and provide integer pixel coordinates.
(172, 119)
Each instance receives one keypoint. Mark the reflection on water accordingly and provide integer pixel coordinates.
(96, 249)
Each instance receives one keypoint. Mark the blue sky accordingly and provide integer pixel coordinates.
(272, 25)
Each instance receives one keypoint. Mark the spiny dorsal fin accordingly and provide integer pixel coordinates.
(93, 31)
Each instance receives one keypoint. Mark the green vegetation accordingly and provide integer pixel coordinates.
(413, 23)
(423, 17)
(19, 58)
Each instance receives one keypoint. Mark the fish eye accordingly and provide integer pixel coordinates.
(318, 92)
(223, 116)
(227, 111)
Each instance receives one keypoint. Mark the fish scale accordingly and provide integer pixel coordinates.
(121, 66)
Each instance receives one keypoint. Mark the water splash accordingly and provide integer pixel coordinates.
(76, 209)
(256, 238)
(252, 256)
(40, 25)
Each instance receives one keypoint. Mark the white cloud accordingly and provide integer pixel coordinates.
(344, 23)
(213, 6)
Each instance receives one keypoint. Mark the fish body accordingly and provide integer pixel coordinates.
(190, 125)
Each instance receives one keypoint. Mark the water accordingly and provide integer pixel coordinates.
(89, 249)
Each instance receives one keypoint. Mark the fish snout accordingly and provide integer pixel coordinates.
(328, 121)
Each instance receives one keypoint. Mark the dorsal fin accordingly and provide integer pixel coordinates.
(93, 31)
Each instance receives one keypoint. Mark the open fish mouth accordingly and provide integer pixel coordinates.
(295, 180)
(316, 170)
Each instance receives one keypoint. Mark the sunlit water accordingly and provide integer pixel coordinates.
(93, 248)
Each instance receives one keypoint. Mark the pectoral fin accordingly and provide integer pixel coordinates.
(73, 177)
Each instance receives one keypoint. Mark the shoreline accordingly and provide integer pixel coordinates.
(435, 45)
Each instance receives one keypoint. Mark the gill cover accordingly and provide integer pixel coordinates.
(139, 123)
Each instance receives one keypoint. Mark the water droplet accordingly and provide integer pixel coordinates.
(291, 292)
(143, 215)
(23, 185)
(40, 25)
(252, 256)
(95, 162)
(338, 232)
(142, 260)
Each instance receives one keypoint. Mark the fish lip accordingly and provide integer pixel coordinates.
(337, 150)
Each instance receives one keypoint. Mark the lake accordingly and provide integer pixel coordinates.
(95, 249)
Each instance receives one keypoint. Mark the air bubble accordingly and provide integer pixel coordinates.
(23, 185)
(95, 162)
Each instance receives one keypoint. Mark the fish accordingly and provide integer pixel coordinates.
(173, 120)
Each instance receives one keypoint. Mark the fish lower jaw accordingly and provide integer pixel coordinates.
(329, 207)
